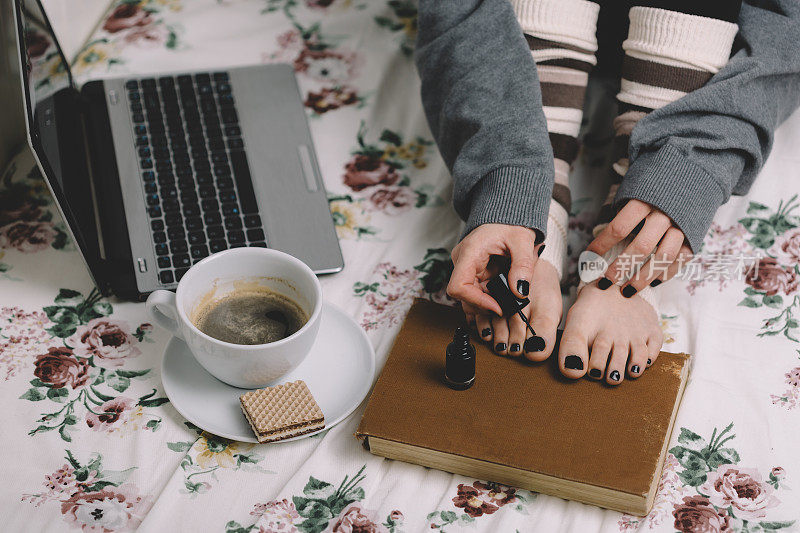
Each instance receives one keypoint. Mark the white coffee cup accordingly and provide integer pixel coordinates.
(247, 366)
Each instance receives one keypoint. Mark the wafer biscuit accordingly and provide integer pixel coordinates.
(281, 412)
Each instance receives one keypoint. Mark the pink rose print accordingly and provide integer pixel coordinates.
(108, 341)
(393, 200)
(109, 414)
(327, 66)
(126, 15)
(276, 517)
(59, 367)
(353, 519)
(364, 171)
(771, 277)
(787, 246)
(109, 509)
(329, 99)
(741, 489)
(697, 515)
(27, 237)
(147, 37)
(482, 498)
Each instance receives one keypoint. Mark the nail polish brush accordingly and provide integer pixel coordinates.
(509, 303)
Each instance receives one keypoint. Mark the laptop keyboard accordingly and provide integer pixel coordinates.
(195, 175)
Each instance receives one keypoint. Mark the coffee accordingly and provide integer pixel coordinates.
(250, 316)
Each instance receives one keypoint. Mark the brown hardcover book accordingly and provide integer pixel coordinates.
(523, 424)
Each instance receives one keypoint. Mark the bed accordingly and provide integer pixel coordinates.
(94, 444)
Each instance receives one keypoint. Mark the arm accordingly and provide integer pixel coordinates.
(482, 100)
(689, 156)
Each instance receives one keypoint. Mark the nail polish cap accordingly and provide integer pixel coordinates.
(499, 290)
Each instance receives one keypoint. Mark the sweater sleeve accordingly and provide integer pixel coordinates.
(481, 96)
(689, 156)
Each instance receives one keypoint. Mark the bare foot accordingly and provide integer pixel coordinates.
(621, 333)
(511, 337)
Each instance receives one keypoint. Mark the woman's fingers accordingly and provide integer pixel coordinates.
(468, 263)
(624, 266)
(620, 227)
(523, 256)
(656, 267)
(684, 256)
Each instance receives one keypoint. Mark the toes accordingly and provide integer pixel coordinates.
(500, 338)
(654, 343)
(638, 359)
(516, 334)
(616, 366)
(573, 353)
(598, 361)
(483, 324)
(546, 313)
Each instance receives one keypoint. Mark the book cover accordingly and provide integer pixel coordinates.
(523, 423)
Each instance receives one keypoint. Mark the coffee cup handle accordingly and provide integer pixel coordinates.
(160, 307)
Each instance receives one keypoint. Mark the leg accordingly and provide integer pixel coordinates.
(668, 53)
(561, 37)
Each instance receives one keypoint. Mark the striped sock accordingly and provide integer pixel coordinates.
(561, 36)
(667, 55)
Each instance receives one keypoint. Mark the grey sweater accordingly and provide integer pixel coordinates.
(481, 96)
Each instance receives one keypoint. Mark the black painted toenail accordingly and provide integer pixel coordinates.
(603, 283)
(595, 373)
(486, 332)
(649, 362)
(635, 369)
(655, 283)
(500, 347)
(614, 375)
(514, 347)
(628, 291)
(541, 249)
(573, 362)
(534, 344)
(523, 287)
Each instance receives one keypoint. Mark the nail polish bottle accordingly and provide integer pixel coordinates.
(459, 371)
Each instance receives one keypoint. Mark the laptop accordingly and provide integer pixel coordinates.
(154, 173)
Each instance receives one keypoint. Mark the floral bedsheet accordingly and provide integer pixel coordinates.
(98, 447)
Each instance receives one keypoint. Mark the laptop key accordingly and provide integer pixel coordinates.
(174, 219)
(170, 205)
(196, 237)
(233, 131)
(152, 199)
(166, 277)
(194, 223)
(230, 210)
(199, 252)
(252, 221)
(207, 191)
(238, 245)
(235, 236)
(223, 88)
(229, 116)
(202, 77)
(191, 209)
(131, 85)
(217, 246)
(179, 247)
(141, 140)
(255, 234)
(224, 183)
(235, 143)
(148, 175)
(221, 76)
(227, 196)
(162, 249)
(164, 262)
(244, 183)
(209, 204)
(215, 232)
(180, 272)
(150, 187)
(176, 233)
(159, 237)
(154, 211)
(259, 244)
(157, 225)
(138, 118)
(212, 218)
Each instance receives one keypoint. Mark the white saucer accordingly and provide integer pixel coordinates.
(339, 371)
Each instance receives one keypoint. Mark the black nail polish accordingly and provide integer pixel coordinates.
(628, 291)
(534, 344)
(595, 373)
(486, 332)
(603, 283)
(649, 362)
(500, 347)
(614, 375)
(514, 347)
(655, 283)
(541, 249)
(573, 362)
(523, 287)
(635, 369)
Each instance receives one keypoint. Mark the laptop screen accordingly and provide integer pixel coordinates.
(54, 126)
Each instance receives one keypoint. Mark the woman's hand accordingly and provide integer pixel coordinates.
(473, 265)
(657, 233)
